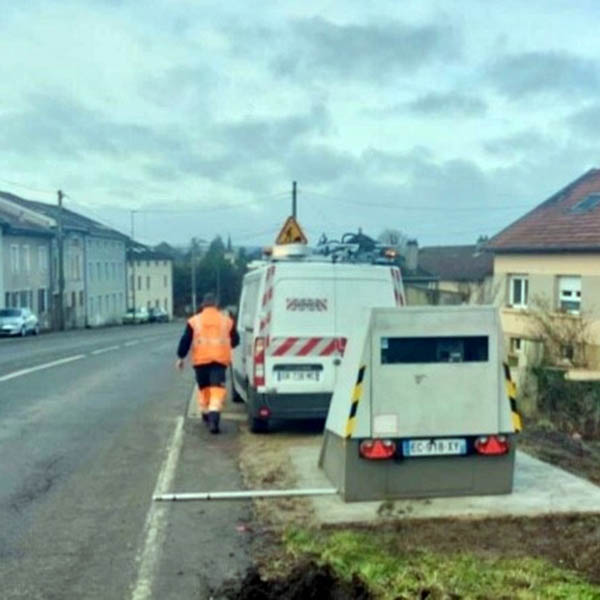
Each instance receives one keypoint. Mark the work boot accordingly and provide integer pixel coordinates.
(213, 421)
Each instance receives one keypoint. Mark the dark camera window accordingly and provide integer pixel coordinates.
(415, 350)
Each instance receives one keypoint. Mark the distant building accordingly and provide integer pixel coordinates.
(551, 257)
(149, 279)
(93, 264)
(25, 269)
(466, 271)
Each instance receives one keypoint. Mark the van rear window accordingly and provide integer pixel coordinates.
(414, 350)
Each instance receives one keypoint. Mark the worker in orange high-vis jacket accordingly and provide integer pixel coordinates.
(209, 337)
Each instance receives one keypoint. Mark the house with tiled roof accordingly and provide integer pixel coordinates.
(466, 271)
(25, 275)
(551, 257)
(150, 278)
(93, 264)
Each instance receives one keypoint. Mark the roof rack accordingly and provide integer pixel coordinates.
(351, 248)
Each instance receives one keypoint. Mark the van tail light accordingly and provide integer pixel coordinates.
(492, 444)
(259, 361)
(377, 449)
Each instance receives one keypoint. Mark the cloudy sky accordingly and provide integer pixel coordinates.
(443, 119)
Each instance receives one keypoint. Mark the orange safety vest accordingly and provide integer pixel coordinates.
(212, 337)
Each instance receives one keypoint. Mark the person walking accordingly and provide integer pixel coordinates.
(209, 337)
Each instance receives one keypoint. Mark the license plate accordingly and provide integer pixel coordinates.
(434, 447)
(290, 375)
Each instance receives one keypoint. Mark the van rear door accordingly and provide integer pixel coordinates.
(302, 344)
(358, 287)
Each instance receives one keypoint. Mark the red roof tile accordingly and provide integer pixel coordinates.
(557, 224)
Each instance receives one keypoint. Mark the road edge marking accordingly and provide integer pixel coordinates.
(49, 365)
(103, 350)
(155, 525)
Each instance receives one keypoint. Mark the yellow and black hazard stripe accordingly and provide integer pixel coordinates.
(511, 392)
(356, 396)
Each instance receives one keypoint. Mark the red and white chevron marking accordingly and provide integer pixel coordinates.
(397, 280)
(267, 302)
(307, 346)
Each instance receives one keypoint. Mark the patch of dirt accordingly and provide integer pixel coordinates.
(307, 581)
(578, 456)
(567, 541)
(265, 464)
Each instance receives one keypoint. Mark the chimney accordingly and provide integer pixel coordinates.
(411, 254)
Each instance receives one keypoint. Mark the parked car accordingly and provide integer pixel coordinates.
(158, 315)
(139, 315)
(18, 321)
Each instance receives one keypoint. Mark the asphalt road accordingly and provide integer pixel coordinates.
(92, 423)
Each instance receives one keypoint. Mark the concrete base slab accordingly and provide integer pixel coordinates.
(539, 488)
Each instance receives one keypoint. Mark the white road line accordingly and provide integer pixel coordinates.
(103, 350)
(155, 527)
(54, 363)
(132, 343)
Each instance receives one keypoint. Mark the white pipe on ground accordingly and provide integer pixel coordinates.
(244, 494)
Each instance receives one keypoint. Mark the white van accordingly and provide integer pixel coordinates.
(294, 320)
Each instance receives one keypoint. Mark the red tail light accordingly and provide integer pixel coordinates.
(259, 361)
(377, 449)
(492, 444)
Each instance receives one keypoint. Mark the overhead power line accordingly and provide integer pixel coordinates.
(416, 206)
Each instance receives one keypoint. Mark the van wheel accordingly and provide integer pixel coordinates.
(258, 425)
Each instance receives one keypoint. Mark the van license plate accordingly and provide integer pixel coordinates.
(290, 375)
(434, 447)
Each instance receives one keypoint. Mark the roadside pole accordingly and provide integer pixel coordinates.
(193, 274)
(61, 266)
(294, 200)
(133, 282)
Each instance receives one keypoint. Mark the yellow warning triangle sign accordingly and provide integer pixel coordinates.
(291, 233)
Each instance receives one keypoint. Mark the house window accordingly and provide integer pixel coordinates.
(14, 258)
(42, 259)
(516, 345)
(92, 306)
(519, 291)
(26, 260)
(99, 271)
(569, 294)
(106, 271)
(148, 282)
(139, 282)
(80, 298)
(166, 280)
(42, 301)
(91, 271)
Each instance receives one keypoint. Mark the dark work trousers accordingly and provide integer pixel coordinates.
(210, 375)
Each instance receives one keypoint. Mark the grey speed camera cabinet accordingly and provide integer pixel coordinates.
(429, 382)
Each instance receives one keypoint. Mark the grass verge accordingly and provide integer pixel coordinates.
(392, 573)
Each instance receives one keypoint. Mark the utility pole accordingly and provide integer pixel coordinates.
(61, 266)
(193, 273)
(294, 200)
(133, 282)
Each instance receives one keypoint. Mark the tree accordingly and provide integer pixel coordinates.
(393, 237)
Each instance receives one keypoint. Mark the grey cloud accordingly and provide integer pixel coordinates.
(448, 104)
(586, 122)
(318, 163)
(521, 142)
(181, 84)
(60, 127)
(521, 75)
(364, 52)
